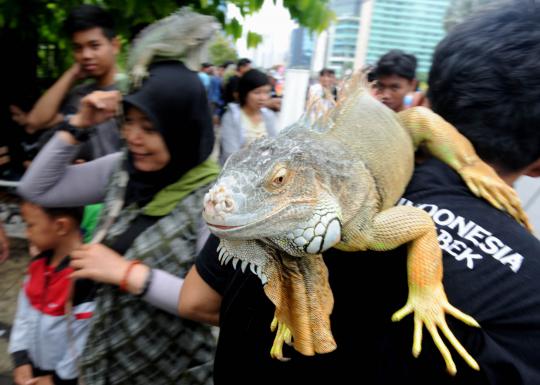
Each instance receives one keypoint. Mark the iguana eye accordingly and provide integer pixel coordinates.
(280, 177)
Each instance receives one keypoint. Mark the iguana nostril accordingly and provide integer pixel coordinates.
(209, 206)
(228, 204)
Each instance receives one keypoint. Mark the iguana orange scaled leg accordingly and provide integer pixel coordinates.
(300, 290)
(427, 299)
(446, 143)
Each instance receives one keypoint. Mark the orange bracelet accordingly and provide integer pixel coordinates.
(123, 282)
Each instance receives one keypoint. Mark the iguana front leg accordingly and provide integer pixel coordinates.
(446, 143)
(427, 299)
(299, 288)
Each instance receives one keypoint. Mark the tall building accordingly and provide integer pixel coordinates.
(414, 26)
(302, 47)
(343, 35)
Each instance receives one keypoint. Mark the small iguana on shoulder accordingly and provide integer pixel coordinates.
(182, 35)
(280, 202)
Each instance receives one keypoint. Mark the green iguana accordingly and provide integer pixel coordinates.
(279, 203)
(183, 35)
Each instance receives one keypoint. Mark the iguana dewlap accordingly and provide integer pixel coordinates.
(279, 203)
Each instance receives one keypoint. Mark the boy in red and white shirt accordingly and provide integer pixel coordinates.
(46, 341)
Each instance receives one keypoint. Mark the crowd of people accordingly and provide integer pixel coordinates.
(138, 303)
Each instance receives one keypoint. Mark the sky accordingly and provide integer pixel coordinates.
(275, 24)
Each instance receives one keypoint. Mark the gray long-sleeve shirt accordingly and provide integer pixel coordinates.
(52, 180)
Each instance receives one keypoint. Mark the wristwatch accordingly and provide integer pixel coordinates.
(80, 134)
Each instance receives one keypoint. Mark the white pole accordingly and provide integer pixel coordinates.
(294, 96)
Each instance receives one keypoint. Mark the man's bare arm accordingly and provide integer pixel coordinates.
(198, 301)
(45, 112)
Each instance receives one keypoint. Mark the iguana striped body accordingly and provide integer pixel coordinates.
(279, 203)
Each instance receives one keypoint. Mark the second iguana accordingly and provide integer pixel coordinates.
(334, 182)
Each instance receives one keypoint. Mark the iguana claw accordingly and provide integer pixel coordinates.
(138, 74)
(283, 334)
(429, 307)
(485, 183)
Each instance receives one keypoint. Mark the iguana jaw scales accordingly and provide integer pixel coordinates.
(223, 214)
(222, 227)
(229, 226)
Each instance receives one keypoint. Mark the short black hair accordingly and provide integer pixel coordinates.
(75, 213)
(369, 72)
(87, 16)
(243, 62)
(484, 80)
(327, 71)
(396, 62)
(249, 81)
(206, 65)
(226, 64)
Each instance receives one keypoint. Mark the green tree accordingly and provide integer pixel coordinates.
(36, 52)
(459, 10)
(222, 50)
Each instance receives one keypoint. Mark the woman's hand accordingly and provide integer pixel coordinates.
(22, 375)
(98, 263)
(102, 264)
(96, 108)
(76, 72)
(45, 380)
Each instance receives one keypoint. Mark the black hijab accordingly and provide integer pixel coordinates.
(174, 99)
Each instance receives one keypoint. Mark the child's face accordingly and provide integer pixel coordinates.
(40, 227)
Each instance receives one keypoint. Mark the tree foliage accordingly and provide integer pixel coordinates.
(459, 10)
(36, 26)
(222, 50)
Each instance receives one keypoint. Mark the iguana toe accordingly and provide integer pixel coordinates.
(283, 334)
(429, 307)
(484, 183)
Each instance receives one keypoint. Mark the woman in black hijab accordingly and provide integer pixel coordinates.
(149, 230)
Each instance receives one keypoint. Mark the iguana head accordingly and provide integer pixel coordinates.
(276, 190)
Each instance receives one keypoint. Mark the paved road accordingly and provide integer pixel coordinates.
(11, 273)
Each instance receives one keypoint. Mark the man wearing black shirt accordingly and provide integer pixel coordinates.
(484, 80)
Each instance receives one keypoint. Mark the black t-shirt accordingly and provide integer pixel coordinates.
(491, 272)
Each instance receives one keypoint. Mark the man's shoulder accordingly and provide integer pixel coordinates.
(87, 87)
(84, 88)
(459, 214)
(315, 88)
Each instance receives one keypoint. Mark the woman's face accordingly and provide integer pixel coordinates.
(257, 97)
(144, 142)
